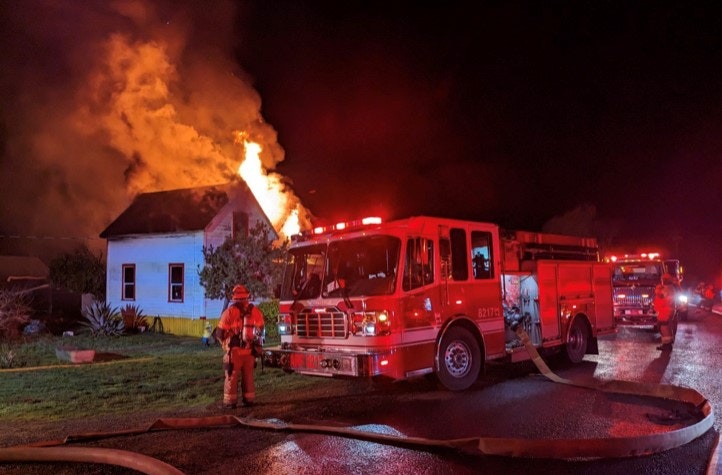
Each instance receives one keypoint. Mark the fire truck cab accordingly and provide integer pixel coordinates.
(634, 278)
(433, 295)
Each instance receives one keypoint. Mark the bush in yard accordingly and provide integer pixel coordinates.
(7, 357)
(269, 309)
(103, 320)
(15, 313)
(134, 319)
(253, 260)
(80, 271)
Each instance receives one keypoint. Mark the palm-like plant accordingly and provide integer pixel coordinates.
(103, 320)
(134, 318)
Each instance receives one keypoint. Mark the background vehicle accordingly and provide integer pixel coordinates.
(634, 279)
(433, 295)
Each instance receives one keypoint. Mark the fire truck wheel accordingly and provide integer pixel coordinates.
(459, 359)
(576, 346)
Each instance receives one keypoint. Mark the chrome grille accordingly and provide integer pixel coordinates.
(322, 323)
(633, 296)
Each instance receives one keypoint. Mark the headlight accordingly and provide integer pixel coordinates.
(682, 298)
(370, 323)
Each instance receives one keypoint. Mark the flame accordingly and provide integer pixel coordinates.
(269, 190)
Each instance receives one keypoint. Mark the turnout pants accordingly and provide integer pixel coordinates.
(667, 319)
(243, 363)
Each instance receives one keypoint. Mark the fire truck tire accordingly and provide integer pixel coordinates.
(577, 342)
(459, 359)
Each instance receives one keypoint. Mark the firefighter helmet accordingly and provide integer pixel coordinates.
(240, 292)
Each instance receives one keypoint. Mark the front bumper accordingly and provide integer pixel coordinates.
(326, 363)
(634, 316)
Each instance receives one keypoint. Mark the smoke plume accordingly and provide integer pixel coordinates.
(104, 100)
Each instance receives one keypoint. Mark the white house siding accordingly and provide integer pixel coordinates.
(151, 255)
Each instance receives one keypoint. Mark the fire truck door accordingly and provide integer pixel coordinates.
(548, 300)
(421, 285)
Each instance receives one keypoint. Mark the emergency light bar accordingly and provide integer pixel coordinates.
(342, 226)
(634, 257)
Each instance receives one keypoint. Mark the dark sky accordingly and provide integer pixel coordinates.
(514, 112)
(511, 112)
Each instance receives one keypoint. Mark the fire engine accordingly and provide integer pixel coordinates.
(428, 295)
(634, 279)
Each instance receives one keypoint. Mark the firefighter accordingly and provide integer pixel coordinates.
(207, 338)
(708, 297)
(666, 314)
(241, 333)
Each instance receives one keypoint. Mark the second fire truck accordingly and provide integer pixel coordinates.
(634, 278)
(432, 295)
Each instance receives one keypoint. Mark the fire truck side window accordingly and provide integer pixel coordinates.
(419, 269)
(302, 273)
(459, 266)
(481, 254)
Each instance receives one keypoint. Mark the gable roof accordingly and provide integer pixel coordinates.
(188, 209)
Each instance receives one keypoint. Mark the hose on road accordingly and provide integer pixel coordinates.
(606, 447)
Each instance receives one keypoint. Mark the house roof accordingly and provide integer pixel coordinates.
(22, 267)
(188, 209)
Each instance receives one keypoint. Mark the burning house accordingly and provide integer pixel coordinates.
(155, 250)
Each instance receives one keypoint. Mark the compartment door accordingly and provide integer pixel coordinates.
(603, 296)
(548, 301)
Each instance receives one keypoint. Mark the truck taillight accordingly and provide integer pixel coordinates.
(370, 323)
(285, 324)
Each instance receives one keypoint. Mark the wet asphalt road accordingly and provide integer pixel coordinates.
(517, 402)
(512, 401)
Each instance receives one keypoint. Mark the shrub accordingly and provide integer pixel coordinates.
(7, 357)
(133, 318)
(269, 309)
(103, 320)
(80, 271)
(15, 313)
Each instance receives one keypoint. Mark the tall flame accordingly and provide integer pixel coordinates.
(268, 189)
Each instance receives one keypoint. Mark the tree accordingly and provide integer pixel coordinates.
(253, 260)
(80, 271)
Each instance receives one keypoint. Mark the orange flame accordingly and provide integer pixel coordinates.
(269, 190)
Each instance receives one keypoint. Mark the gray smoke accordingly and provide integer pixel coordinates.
(102, 100)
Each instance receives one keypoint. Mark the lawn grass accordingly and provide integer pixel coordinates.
(143, 372)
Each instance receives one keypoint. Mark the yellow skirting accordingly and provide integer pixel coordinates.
(182, 326)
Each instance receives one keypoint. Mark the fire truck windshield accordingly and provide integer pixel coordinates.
(364, 266)
(638, 271)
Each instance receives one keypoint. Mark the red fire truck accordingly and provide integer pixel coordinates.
(634, 278)
(432, 295)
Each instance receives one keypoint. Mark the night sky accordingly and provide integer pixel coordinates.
(513, 112)
(604, 116)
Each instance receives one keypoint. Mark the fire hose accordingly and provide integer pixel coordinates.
(607, 447)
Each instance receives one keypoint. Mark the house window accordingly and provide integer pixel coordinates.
(240, 224)
(128, 282)
(175, 282)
